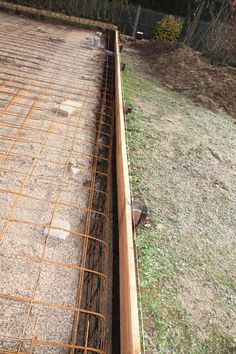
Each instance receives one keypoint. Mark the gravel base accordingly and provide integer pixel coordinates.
(46, 72)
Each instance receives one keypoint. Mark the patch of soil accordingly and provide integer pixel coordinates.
(197, 301)
(182, 69)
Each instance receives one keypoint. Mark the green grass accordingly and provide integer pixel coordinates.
(163, 254)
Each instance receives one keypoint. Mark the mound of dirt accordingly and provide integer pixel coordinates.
(182, 69)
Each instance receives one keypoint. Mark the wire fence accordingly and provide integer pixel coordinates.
(115, 12)
(101, 10)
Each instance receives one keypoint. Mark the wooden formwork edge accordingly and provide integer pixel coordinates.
(129, 319)
(55, 15)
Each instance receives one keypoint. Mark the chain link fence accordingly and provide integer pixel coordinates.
(100, 10)
(115, 12)
(129, 18)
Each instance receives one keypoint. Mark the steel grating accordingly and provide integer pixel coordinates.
(54, 188)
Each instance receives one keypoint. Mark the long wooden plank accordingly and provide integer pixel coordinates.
(55, 15)
(129, 321)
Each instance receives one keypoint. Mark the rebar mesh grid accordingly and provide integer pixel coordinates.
(54, 188)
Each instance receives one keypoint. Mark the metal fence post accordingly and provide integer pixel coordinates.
(136, 21)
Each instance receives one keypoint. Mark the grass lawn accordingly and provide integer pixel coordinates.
(182, 161)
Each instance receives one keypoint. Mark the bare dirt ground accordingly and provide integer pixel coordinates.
(182, 69)
(45, 180)
(183, 165)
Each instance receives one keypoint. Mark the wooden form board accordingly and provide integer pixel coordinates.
(129, 320)
(57, 16)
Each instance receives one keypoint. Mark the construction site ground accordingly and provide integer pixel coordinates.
(184, 70)
(182, 161)
(50, 83)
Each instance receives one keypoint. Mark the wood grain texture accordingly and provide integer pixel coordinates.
(129, 320)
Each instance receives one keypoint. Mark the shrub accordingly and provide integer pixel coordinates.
(169, 28)
(220, 43)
